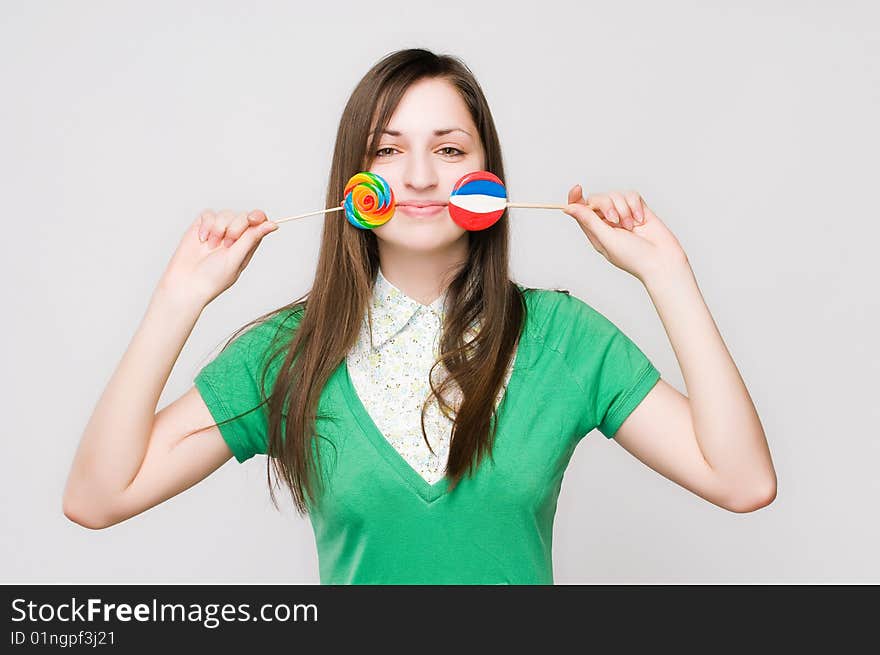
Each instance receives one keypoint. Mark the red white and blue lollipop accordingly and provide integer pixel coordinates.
(479, 199)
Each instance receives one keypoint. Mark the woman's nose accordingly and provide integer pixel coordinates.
(420, 173)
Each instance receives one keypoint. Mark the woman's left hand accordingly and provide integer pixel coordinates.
(626, 232)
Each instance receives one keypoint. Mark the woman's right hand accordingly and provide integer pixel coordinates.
(214, 251)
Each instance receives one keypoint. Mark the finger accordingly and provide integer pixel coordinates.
(218, 230)
(206, 219)
(649, 213)
(622, 208)
(250, 239)
(592, 224)
(576, 194)
(238, 225)
(634, 200)
(603, 203)
(256, 217)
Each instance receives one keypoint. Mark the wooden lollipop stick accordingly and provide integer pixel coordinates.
(320, 211)
(537, 205)
(532, 205)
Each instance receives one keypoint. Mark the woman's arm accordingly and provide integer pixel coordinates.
(710, 441)
(115, 439)
(129, 457)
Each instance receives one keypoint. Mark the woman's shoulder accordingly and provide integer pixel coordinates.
(268, 328)
(558, 312)
(544, 301)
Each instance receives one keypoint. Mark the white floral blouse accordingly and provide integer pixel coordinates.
(390, 376)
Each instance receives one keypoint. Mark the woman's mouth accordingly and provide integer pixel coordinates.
(421, 211)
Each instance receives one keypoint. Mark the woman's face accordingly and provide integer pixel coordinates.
(429, 143)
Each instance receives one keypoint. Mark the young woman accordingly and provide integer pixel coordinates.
(420, 406)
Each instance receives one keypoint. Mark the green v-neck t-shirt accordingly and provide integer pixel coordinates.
(377, 521)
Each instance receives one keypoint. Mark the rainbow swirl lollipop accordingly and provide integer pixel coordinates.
(369, 201)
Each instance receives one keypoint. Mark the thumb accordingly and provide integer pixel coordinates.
(576, 194)
(250, 239)
(588, 219)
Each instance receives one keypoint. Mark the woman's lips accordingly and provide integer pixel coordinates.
(421, 212)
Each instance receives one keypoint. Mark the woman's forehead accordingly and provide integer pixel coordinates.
(430, 106)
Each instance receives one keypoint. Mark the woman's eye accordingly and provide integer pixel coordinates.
(449, 151)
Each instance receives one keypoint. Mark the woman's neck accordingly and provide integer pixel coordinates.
(422, 277)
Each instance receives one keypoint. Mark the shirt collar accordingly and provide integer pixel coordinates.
(392, 309)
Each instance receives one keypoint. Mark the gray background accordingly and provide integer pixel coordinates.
(751, 130)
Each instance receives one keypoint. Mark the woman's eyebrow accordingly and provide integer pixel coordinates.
(442, 132)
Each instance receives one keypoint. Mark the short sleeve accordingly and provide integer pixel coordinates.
(230, 384)
(613, 373)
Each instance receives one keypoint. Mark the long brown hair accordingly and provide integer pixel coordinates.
(330, 313)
